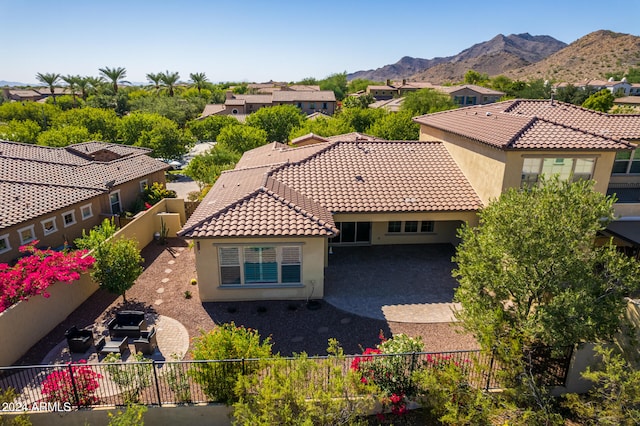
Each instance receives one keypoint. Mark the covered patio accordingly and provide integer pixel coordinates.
(402, 283)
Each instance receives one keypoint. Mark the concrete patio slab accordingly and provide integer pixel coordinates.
(401, 283)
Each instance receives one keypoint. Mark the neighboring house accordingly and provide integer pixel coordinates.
(309, 102)
(616, 87)
(20, 95)
(264, 229)
(633, 101)
(53, 194)
(308, 139)
(312, 138)
(390, 105)
(465, 95)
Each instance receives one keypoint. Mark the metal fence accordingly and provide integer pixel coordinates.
(177, 382)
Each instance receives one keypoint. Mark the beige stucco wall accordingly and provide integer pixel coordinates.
(25, 323)
(627, 209)
(482, 165)
(197, 414)
(445, 226)
(62, 233)
(313, 262)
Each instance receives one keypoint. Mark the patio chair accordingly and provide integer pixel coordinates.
(79, 341)
(110, 346)
(147, 343)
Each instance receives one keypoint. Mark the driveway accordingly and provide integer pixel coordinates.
(183, 185)
(402, 283)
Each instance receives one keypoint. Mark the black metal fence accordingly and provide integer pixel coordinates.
(176, 382)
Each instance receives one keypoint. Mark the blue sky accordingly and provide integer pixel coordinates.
(283, 40)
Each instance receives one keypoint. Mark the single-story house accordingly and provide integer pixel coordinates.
(53, 194)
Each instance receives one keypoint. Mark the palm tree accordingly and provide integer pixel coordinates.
(198, 79)
(169, 79)
(72, 81)
(83, 84)
(116, 76)
(155, 79)
(50, 79)
(95, 83)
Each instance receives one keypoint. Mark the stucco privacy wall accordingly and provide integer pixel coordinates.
(313, 260)
(25, 323)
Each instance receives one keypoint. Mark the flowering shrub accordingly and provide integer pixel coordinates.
(33, 274)
(58, 386)
(391, 374)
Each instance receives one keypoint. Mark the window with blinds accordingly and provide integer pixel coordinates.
(260, 265)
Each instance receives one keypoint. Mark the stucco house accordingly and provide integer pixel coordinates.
(52, 194)
(265, 228)
(465, 95)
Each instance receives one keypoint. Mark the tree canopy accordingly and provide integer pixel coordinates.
(533, 272)
(241, 138)
(427, 101)
(118, 265)
(600, 101)
(276, 121)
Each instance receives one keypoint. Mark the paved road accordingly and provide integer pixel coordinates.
(183, 186)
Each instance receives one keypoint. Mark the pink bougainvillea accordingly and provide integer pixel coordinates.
(59, 385)
(33, 274)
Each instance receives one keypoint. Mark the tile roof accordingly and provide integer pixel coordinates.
(479, 89)
(308, 136)
(49, 179)
(299, 195)
(536, 125)
(353, 136)
(304, 96)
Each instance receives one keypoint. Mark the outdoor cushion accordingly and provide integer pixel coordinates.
(79, 341)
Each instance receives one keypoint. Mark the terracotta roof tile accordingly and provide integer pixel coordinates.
(382, 177)
(504, 124)
(298, 197)
(277, 153)
(48, 179)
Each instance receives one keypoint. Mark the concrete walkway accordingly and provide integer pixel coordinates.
(401, 283)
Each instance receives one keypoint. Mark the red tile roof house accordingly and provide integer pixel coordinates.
(52, 194)
(264, 229)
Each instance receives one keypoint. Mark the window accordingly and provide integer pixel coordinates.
(471, 100)
(426, 226)
(260, 265)
(410, 226)
(49, 226)
(4, 243)
(352, 232)
(86, 211)
(114, 199)
(69, 218)
(312, 105)
(300, 105)
(324, 105)
(566, 168)
(394, 226)
(26, 234)
(627, 162)
(143, 185)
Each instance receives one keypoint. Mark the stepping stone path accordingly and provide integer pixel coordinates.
(165, 280)
(346, 320)
(160, 290)
(167, 271)
(171, 262)
(158, 302)
(297, 339)
(323, 330)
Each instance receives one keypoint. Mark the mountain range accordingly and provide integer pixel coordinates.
(523, 57)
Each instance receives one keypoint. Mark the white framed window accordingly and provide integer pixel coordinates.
(49, 226)
(86, 211)
(627, 162)
(260, 265)
(5, 246)
(114, 200)
(69, 218)
(143, 184)
(26, 234)
(566, 168)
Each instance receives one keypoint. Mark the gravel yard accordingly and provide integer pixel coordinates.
(292, 326)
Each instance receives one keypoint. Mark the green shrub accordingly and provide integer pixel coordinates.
(131, 378)
(156, 192)
(132, 416)
(226, 342)
(96, 236)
